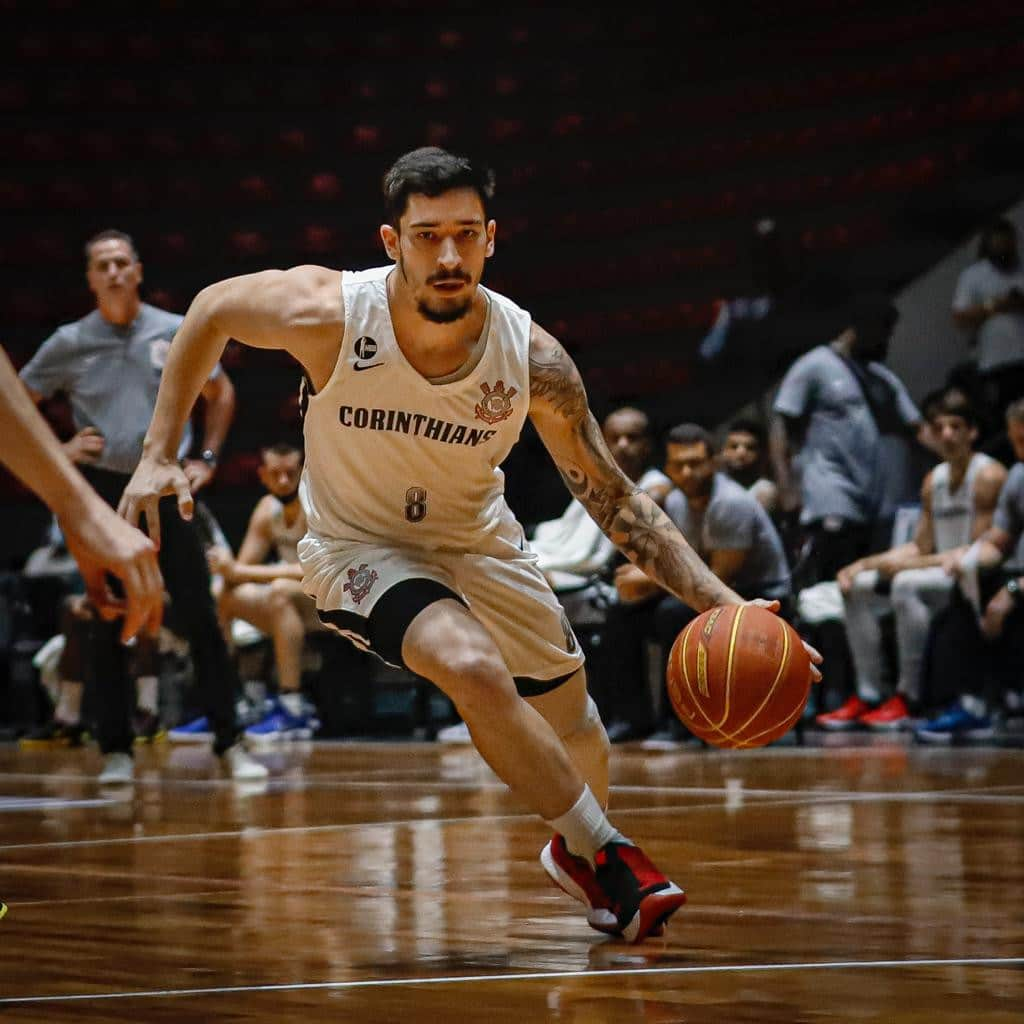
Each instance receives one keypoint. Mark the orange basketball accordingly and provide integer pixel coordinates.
(738, 676)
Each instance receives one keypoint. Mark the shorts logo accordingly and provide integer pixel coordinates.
(496, 404)
(360, 581)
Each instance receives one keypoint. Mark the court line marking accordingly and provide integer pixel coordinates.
(279, 785)
(252, 833)
(830, 965)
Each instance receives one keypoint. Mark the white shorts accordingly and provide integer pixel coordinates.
(356, 589)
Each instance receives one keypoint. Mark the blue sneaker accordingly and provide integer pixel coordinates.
(279, 724)
(955, 723)
(196, 731)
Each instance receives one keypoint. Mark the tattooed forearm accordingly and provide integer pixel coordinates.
(626, 514)
(555, 380)
(651, 541)
(647, 537)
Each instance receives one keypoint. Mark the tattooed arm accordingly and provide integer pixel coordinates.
(628, 515)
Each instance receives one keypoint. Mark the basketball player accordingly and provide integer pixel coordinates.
(270, 597)
(958, 500)
(419, 381)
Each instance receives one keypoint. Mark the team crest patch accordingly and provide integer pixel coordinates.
(360, 581)
(496, 405)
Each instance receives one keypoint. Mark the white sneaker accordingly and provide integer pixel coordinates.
(454, 734)
(117, 769)
(241, 765)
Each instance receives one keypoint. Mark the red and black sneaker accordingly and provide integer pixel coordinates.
(575, 877)
(638, 894)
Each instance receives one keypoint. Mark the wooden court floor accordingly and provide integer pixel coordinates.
(399, 882)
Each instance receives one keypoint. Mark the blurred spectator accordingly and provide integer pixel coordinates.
(991, 575)
(840, 442)
(726, 525)
(989, 304)
(958, 498)
(743, 460)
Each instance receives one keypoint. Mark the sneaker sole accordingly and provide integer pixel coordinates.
(653, 913)
(838, 726)
(933, 737)
(903, 723)
(190, 737)
(600, 919)
(561, 879)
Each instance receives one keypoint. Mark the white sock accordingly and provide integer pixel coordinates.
(146, 688)
(69, 707)
(585, 827)
(292, 701)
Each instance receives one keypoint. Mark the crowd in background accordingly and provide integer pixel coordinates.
(891, 533)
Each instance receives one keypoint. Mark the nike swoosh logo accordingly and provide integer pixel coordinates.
(365, 366)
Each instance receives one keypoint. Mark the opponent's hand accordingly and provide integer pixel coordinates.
(101, 543)
(151, 480)
(813, 654)
(85, 447)
(198, 473)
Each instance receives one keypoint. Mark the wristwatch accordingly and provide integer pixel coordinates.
(209, 456)
(1013, 589)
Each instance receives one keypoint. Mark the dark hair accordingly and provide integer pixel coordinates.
(691, 433)
(281, 448)
(872, 309)
(746, 425)
(954, 402)
(431, 171)
(107, 235)
(999, 226)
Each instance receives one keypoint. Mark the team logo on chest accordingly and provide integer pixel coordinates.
(496, 405)
(360, 581)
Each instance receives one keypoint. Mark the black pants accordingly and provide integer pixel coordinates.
(187, 579)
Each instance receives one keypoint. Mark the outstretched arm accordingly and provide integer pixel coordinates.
(628, 515)
(298, 310)
(100, 542)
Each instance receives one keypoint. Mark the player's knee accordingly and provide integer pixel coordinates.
(588, 720)
(477, 681)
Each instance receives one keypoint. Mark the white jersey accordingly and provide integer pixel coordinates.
(953, 511)
(392, 457)
(283, 537)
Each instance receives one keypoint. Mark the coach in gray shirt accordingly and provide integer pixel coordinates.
(109, 365)
(851, 423)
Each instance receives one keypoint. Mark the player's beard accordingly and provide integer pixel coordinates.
(443, 316)
(447, 314)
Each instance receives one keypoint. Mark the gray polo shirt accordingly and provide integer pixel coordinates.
(847, 467)
(735, 520)
(111, 375)
(1009, 515)
(1000, 338)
